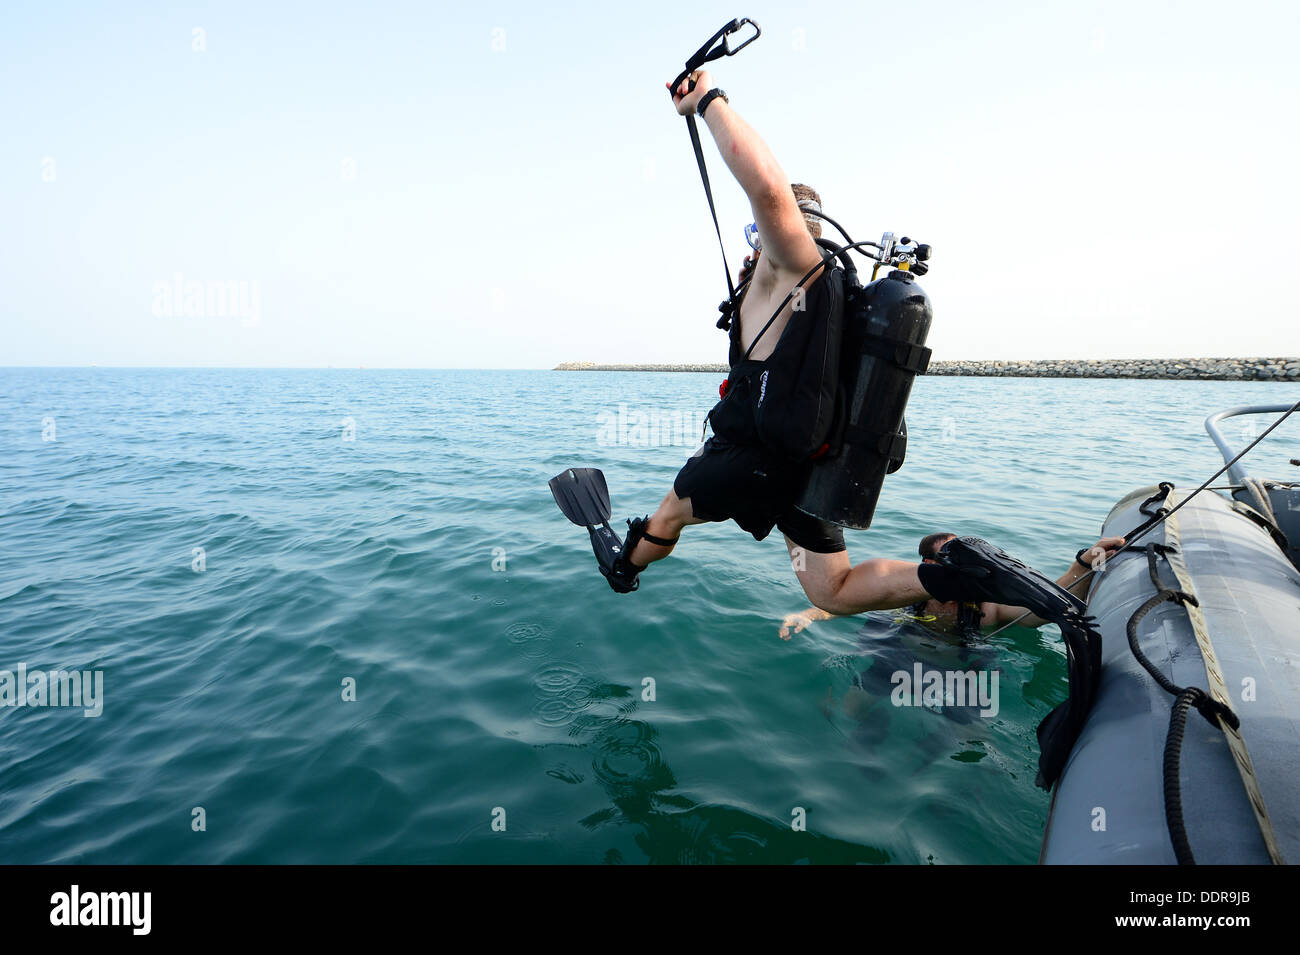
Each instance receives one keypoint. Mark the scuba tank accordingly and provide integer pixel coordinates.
(883, 350)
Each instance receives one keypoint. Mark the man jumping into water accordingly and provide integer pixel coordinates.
(735, 477)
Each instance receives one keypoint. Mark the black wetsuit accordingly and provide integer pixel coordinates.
(734, 477)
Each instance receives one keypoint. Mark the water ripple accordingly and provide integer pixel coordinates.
(425, 565)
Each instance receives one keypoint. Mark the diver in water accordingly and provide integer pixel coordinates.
(953, 618)
(736, 475)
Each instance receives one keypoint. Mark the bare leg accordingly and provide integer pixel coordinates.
(835, 586)
(667, 522)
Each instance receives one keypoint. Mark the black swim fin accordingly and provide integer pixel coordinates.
(979, 571)
(983, 572)
(583, 497)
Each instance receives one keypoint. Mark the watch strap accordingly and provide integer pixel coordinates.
(708, 98)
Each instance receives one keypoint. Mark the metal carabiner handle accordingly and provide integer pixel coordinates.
(734, 27)
(708, 53)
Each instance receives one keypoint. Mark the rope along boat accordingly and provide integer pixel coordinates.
(1191, 749)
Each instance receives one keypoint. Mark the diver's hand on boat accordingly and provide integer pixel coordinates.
(1103, 550)
(685, 98)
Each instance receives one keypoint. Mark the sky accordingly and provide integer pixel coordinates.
(507, 185)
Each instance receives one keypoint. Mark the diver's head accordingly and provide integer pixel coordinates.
(807, 198)
(931, 543)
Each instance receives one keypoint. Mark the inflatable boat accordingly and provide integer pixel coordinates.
(1190, 751)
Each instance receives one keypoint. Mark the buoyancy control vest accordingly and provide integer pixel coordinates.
(834, 390)
(786, 402)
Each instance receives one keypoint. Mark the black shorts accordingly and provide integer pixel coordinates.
(727, 481)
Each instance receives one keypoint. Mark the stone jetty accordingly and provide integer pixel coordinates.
(1217, 369)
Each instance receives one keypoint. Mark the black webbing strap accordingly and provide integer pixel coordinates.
(908, 356)
(716, 47)
(892, 444)
(1160, 549)
(1153, 517)
(728, 308)
(1161, 495)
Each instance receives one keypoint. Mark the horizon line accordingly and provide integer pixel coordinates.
(646, 365)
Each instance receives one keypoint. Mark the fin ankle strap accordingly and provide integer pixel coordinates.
(636, 531)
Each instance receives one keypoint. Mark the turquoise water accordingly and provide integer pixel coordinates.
(517, 687)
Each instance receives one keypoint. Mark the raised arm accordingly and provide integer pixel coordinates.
(786, 242)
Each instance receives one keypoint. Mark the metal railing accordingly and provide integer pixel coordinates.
(1236, 473)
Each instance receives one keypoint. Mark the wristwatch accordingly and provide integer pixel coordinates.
(1078, 558)
(708, 98)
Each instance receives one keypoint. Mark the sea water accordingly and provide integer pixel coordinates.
(337, 617)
